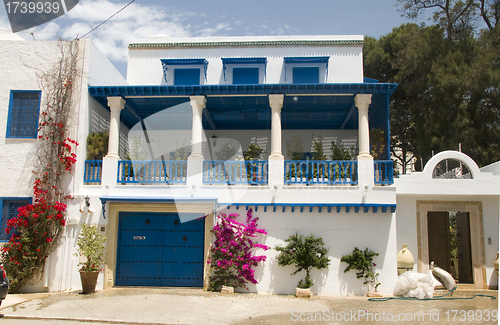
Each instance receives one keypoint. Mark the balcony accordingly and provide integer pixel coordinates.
(302, 172)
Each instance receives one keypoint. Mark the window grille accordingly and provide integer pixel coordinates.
(9, 211)
(23, 115)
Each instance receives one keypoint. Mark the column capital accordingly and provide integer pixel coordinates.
(276, 101)
(116, 103)
(363, 100)
(198, 102)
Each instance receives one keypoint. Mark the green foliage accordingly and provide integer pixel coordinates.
(342, 153)
(294, 148)
(377, 140)
(305, 253)
(253, 152)
(448, 93)
(318, 152)
(362, 261)
(227, 151)
(97, 145)
(91, 245)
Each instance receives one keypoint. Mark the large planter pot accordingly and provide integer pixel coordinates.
(302, 293)
(89, 281)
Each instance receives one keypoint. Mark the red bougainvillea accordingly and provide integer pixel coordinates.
(37, 226)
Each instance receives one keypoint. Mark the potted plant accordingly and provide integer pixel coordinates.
(362, 261)
(305, 253)
(91, 245)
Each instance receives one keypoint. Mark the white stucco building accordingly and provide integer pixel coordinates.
(178, 127)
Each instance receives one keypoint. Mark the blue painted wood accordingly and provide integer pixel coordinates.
(336, 172)
(93, 171)
(235, 172)
(152, 171)
(383, 172)
(156, 249)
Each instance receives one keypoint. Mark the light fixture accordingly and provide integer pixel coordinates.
(214, 140)
(87, 201)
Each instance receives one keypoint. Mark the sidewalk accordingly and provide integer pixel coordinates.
(195, 306)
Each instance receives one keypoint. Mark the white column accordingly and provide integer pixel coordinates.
(110, 162)
(365, 160)
(362, 103)
(276, 103)
(276, 159)
(116, 105)
(195, 160)
(197, 104)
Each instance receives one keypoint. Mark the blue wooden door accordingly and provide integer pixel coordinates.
(156, 249)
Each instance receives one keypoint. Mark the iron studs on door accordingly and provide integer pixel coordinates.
(184, 238)
(176, 222)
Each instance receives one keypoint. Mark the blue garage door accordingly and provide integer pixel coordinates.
(156, 249)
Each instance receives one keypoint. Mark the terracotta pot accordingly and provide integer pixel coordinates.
(89, 281)
(302, 293)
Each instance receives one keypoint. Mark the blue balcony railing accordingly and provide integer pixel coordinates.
(321, 172)
(383, 172)
(93, 171)
(152, 172)
(235, 172)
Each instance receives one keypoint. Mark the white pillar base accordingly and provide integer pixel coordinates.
(194, 171)
(365, 171)
(109, 171)
(276, 171)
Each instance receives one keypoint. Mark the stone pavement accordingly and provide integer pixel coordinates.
(195, 306)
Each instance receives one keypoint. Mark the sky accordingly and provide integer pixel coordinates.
(192, 18)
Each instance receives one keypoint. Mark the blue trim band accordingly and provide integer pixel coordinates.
(365, 207)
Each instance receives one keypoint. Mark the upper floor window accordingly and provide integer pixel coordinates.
(186, 71)
(245, 76)
(186, 77)
(244, 71)
(306, 69)
(305, 75)
(8, 210)
(24, 108)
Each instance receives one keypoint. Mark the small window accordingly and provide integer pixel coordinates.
(245, 76)
(186, 77)
(305, 75)
(8, 210)
(24, 108)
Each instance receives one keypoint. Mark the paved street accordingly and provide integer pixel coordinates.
(195, 306)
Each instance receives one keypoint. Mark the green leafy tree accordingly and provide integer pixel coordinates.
(362, 262)
(97, 145)
(318, 152)
(305, 253)
(295, 148)
(91, 245)
(253, 152)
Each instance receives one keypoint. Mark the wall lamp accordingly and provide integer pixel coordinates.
(87, 201)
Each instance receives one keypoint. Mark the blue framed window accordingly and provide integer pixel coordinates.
(8, 210)
(305, 75)
(245, 76)
(24, 109)
(186, 77)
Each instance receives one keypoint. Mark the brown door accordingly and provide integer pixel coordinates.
(438, 230)
(463, 248)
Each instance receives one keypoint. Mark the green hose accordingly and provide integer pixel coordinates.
(442, 297)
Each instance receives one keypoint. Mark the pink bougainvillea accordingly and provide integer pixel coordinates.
(232, 254)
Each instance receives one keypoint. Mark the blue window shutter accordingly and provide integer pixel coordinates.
(245, 76)
(186, 77)
(305, 75)
(24, 109)
(8, 210)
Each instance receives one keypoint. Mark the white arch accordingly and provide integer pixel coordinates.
(451, 154)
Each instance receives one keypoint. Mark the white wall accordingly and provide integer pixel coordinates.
(345, 63)
(341, 232)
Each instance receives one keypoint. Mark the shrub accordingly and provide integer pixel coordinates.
(305, 253)
(362, 261)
